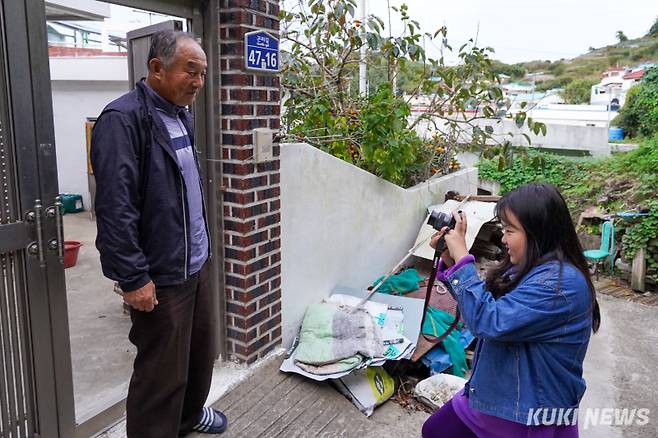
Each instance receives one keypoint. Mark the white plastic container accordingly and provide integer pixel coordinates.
(436, 390)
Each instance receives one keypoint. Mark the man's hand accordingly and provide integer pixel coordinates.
(142, 299)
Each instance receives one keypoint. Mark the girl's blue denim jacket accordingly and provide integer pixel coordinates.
(531, 341)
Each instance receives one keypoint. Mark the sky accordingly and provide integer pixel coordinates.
(518, 30)
(124, 19)
(525, 30)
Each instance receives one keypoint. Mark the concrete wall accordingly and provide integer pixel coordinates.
(73, 103)
(76, 10)
(591, 139)
(578, 115)
(341, 225)
(89, 68)
(81, 87)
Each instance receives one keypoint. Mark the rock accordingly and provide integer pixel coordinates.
(623, 266)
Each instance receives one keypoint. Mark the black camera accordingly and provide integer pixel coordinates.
(438, 220)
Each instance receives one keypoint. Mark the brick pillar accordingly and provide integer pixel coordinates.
(251, 192)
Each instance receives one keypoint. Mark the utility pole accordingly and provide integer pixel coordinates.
(477, 35)
(444, 41)
(393, 77)
(363, 83)
(607, 125)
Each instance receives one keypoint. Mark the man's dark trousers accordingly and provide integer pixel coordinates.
(175, 354)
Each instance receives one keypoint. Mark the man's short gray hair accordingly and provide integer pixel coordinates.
(163, 46)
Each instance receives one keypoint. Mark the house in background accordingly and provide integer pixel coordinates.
(609, 91)
(633, 77)
(89, 10)
(615, 83)
(512, 89)
(524, 95)
(88, 36)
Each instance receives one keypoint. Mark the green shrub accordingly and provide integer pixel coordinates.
(654, 28)
(639, 115)
(621, 182)
(387, 145)
(533, 167)
(579, 91)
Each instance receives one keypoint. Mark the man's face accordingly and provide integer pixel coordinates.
(180, 82)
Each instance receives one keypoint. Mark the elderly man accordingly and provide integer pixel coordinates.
(153, 240)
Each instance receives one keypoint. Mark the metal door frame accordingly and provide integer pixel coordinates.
(29, 103)
(30, 109)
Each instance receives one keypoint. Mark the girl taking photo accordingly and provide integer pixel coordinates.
(533, 317)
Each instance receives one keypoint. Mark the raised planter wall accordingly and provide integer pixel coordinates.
(341, 225)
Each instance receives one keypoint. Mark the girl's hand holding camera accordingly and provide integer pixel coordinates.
(455, 240)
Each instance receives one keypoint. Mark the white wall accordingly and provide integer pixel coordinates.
(81, 87)
(89, 69)
(592, 139)
(73, 103)
(86, 9)
(576, 115)
(341, 225)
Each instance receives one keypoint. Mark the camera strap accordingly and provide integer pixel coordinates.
(430, 285)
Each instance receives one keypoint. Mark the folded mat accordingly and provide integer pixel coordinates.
(332, 339)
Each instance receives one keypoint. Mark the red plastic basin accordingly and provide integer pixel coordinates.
(71, 249)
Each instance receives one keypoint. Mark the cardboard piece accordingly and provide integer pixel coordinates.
(477, 214)
(367, 388)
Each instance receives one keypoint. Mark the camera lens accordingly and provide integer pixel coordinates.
(439, 220)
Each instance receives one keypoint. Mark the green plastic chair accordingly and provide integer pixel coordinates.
(606, 250)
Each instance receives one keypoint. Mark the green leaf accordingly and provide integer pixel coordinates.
(519, 119)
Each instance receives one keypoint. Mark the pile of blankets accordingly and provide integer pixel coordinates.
(336, 339)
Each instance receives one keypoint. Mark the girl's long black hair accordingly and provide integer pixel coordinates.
(550, 234)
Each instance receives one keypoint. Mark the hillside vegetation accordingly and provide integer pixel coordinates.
(575, 75)
(590, 65)
(624, 181)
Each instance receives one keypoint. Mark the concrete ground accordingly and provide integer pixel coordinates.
(620, 367)
(101, 354)
(100, 351)
(276, 404)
